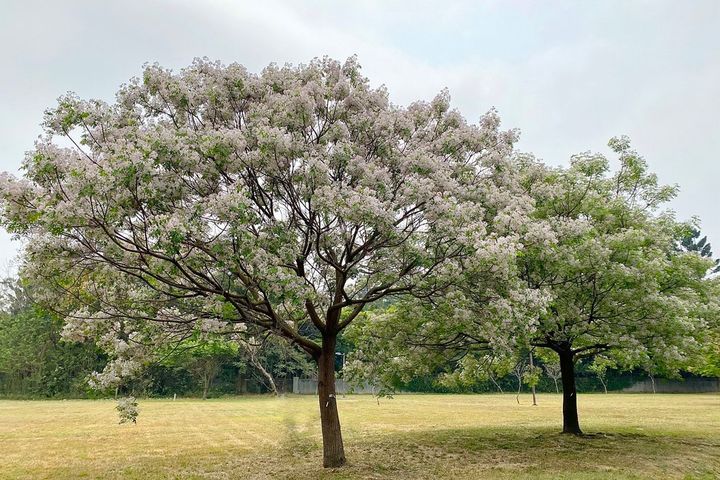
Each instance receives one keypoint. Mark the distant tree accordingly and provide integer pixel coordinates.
(691, 242)
(34, 359)
(553, 371)
(273, 359)
(599, 367)
(532, 377)
(203, 355)
(518, 372)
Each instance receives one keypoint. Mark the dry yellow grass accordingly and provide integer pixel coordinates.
(410, 436)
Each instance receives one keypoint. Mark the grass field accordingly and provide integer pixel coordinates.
(410, 436)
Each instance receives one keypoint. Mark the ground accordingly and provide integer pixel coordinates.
(410, 436)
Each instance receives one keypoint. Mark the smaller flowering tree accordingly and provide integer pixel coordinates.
(620, 290)
(600, 275)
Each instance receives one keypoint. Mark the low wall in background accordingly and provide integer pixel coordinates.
(308, 386)
(688, 385)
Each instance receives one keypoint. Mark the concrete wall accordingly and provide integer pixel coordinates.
(308, 386)
(689, 385)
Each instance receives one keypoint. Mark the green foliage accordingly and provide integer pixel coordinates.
(34, 359)
(707, 361)
(203, 355)
(691, 242)
(279, 358)
(531, 376)
(128, 410)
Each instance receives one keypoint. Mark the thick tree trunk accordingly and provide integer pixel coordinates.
(333, 450)
(571, 424)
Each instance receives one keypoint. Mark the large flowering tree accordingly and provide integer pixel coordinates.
(217, 200)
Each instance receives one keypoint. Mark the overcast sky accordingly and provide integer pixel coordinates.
(568, 74)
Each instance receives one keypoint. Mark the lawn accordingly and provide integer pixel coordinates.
(410, 436)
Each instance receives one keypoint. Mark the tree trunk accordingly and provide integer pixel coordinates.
(571, 424)
(268, 376)
(534, 396)
(602, 380)
(492, 377)
(206, 386)
(532, 367)
(557, 389)
(333, 450)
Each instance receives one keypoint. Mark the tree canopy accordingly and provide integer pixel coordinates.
(214, 199)
(608, 276)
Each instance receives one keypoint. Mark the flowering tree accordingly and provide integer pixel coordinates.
(619, 288)
(600, 275)
(215, 199)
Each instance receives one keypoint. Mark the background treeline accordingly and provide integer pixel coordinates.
(36, 362)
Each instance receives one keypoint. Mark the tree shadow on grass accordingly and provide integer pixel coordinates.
(513, 451)
(467, 453)
(297, 439)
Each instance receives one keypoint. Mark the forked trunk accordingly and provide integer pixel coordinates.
(333, 450)
(571, 424)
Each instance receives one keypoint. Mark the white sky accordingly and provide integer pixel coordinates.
(569, 74)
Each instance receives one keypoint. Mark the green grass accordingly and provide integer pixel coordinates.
(410, 436)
